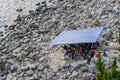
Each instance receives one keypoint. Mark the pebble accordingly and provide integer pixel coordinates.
(50, 75)
(29, 72)
(13, 67)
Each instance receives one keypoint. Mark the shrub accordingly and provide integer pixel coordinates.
(119, 35)
(101, 68)
(119, 48)
(104, 74)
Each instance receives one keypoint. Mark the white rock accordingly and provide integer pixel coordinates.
(40, 67)
(33, 66)
(19, 55)
(9, 77)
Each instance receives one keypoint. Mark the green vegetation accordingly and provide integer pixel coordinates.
(119, 38)
(104, 74)
(119, 48)
(119, 35)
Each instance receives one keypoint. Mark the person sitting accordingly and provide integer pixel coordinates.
(62, 49)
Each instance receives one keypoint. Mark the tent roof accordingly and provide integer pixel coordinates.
(77, 36)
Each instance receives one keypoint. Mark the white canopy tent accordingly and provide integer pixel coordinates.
(77, 36)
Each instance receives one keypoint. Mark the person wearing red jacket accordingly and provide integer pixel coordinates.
(92, 52)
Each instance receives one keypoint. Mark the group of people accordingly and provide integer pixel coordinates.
(75, 51)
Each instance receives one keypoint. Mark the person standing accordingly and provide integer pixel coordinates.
(85, 53)
(74, 49)
(89, 58)
(81, 51)
(65, 50)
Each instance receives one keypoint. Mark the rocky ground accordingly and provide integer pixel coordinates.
(25, 52)
(10, 9)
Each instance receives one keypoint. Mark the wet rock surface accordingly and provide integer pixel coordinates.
(25, 52)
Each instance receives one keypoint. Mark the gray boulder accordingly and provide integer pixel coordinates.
(87, 76)
(77, 66)
(84, 69)
(50, 75)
